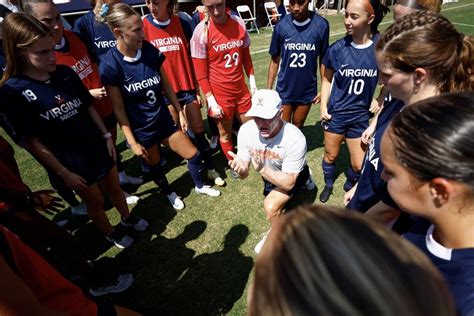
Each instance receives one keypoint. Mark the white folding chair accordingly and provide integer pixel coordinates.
(247, 16)
(272, 13)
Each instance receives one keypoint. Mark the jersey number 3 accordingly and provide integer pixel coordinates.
(298, 60)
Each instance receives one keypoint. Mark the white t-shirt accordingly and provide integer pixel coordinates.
(285, 152)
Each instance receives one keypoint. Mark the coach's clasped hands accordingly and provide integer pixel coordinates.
(237, 164)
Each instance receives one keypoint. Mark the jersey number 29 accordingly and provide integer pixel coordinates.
(231, 60)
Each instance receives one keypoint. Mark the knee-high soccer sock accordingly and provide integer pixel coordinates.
(212, 126)
(159, 177)
(328, 171)
(194, 164)
(227, 146)
(352, 178)
(205, 150)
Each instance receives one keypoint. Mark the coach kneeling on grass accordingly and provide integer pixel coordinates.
(277, 150)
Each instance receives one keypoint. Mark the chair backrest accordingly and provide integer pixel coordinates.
(286, 3)
(244, 9)
(270, 6)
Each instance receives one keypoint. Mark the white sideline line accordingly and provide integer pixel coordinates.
(462, 24)
(387, 22)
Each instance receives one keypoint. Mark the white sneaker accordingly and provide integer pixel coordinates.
(131, 199)
(126, 179)
(175, 201)
(213, 175)
(78, 210)
(260, 244)
(214, 142)
(310, 185)
(207, 190)
(119, 284)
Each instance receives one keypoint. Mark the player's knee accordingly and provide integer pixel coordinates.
(272, 208)
(329, 158)
(95, 204)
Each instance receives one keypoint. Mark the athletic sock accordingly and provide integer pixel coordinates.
(212, 126)
(205, 150)
(351, 180)
(194, 164)
(328, 171)
(227, 146)
(159, 177)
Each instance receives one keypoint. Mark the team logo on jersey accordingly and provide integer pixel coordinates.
(372, 153)
(144, 84)
(106, 44)
(59, 99)
(228, 45)
(64, 110)
(167, 44)
(358, 72)
(300, 46)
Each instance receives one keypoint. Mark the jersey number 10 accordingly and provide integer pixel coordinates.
(356, 87)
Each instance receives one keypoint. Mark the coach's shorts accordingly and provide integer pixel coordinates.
(184, 97)
(300, 182)
(349, 130)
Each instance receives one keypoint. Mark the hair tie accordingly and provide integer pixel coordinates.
(104, 10)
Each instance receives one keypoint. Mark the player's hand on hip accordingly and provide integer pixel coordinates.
(237, 164)
(214, 109)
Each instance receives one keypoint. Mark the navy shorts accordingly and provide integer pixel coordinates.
(349, 130)
(184, 97)
(162, 129)
(300, 182)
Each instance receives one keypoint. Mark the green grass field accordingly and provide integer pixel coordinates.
(199, 261)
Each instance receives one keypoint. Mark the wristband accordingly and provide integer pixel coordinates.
(107, 135)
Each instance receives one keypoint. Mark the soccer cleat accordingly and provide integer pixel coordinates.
(260, 244)
(327, 191)
(175, 201)
(120, 239)
(214, 142)
(79, 210)
(216, 177)
(126, 179)
(207, 190)
(119, 284)
(136, 222)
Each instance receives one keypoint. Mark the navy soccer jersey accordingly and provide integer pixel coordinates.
(140, 83)
(299, 46)
(97, 36)
(371, 188)
(456, 265)
(355, 79)
(56, 111)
